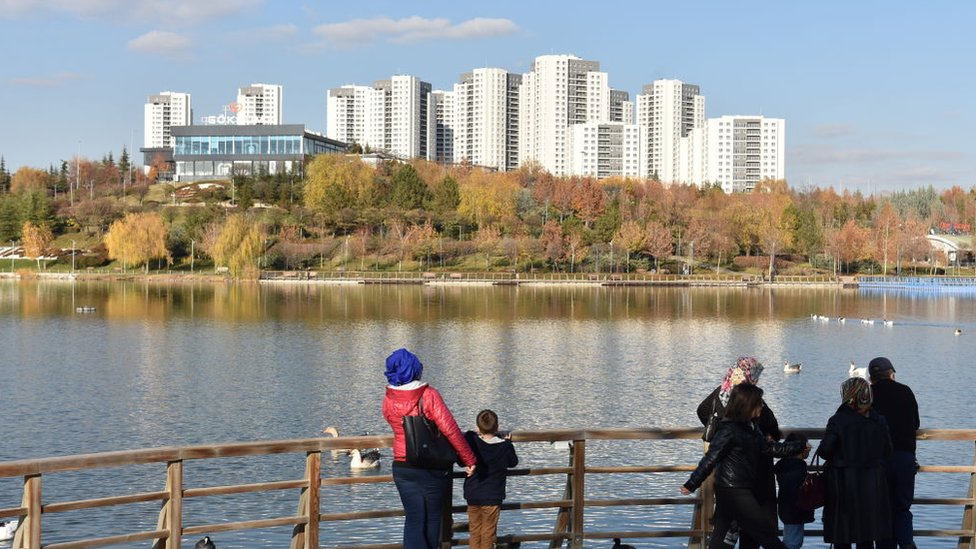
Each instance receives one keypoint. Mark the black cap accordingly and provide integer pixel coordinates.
(879, 365)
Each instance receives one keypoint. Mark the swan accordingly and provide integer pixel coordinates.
(889, 322)
(867, 321)
(205, 543)
(560, 444)
(958, 332)
(8, 529)
(854, 371)
(841, 320)
(334, 433)
(367, 459)
(792, 368)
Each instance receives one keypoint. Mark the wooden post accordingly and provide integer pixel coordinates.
(306, 536)
(447, 514)
(562, 515)
(171, 513)
(968, 519)
(579, 466)
(28, 534)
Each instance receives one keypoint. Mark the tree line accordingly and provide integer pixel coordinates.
(343, 213)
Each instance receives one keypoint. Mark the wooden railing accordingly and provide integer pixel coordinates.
(570, 510)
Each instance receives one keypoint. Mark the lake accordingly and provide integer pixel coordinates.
(171, 364)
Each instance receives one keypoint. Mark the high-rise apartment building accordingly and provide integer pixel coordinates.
(163, 111)
(608, 149)
(259, 104)
(560, 91)
(621, 107)
(442, 123)
(391, 116)
(668, 110)
(485, 123)
(741, 151)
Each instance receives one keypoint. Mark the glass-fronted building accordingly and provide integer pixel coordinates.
(219, 152)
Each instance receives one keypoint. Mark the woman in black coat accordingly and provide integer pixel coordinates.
(734, 454)
(746, 370)
(855, 445)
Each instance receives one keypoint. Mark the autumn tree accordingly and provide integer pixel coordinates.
(487, 199)
(632, 238)
(422, 240)
(849, 243)
(552, 242)
(659, 243)
(588, 200)
(36, 240)
(886, 226)
(137, 238)
(335, 182)
(486, 239)
(29, 179)
(239, 245)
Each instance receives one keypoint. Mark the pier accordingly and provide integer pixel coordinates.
(312, 489)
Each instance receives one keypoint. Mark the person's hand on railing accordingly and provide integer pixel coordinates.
(685, 491)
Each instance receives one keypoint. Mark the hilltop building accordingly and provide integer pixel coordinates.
(259, 104)
(668, 110)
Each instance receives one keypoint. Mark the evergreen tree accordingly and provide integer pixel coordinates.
(62, 183)
(124, 165)
(446, 196)
(4, 177)
(409, 191)
(109, 160)
(10, 220)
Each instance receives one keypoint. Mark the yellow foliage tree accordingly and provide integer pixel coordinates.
(239, 246)
(137, 238)
(334, 182)
(487, 198)
(28, 179)
(36, 239)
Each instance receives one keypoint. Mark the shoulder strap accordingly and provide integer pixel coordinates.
(420, 402)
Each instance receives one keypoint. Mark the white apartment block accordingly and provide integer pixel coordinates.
(259, 104)
(163, 111)
(441, 128)
(609, 149)
(668, 110)
(485, 126)
(347, 113)
(392, 116)
(560, 91)
(741, 151)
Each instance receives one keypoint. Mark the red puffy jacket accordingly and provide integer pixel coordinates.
(403, 402)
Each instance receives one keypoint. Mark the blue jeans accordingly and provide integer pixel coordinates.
(422, 494)
(793, 535)
(900, 468)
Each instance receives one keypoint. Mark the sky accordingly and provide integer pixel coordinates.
(878, 96)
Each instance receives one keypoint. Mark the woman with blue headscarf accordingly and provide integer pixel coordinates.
(421, 490)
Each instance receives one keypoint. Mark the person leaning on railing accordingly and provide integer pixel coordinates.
(734, 454)
(421, 490)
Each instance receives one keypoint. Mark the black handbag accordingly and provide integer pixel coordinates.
(813, 490)
(427, 447)
(712, 422)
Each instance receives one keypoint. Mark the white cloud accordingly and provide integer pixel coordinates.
(832, 131)
(45, 81)
(177, 12)
(359, 32)
(164, 44)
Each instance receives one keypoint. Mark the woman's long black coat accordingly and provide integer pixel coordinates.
(857, 507)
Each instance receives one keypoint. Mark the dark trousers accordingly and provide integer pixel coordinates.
(741, 505)
(900, 468)
(422, 494)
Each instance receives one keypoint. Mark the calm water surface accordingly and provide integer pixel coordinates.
(161, 365)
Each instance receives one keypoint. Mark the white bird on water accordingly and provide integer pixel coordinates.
(889, 322)
(367, 459)
(8, 529)
(854, 371)
(791, 368)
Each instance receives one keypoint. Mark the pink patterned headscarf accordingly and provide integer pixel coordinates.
(745, 369)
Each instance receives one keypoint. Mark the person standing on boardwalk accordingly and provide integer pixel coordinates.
(421, 491)
(746, 370)
(485, 490)
(734, 454)
(855, 445)
(896, 402)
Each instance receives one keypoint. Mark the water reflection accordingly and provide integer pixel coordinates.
(161, 364)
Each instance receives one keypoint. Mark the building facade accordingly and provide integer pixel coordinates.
(259, 104)
(219, 152)
(668, 110)
(560, 91)
(440, 133)
(391, 116)
(609, 149)
(162, 112)
(485, 118)
(741, 151)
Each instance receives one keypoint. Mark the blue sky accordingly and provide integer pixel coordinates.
(877, 95)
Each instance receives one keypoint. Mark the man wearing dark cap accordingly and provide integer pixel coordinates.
(896, 402)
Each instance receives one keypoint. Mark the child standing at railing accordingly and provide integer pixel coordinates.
(790, 472)
(485, 489)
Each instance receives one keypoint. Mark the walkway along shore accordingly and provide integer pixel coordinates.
(314, 491)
